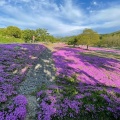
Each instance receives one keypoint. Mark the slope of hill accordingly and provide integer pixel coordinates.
(110, 40)
(6, 39)
(112, 34)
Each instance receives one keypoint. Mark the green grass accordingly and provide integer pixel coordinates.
(6, 40)
(43, 87)
(69, 88)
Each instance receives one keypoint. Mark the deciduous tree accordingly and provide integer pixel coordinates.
(27, 35)
(88, 37)
(41, 34)
(13, 31)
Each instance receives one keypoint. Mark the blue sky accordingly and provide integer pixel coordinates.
(61, 17)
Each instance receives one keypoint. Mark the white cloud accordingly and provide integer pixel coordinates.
(65, 18)
(105, 18)
(2, 2)
(112, 13)
(94, 3)
(44, 17)
(109, 24)
(70, 10)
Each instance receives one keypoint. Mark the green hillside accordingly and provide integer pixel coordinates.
(6, 39)
(110, 40)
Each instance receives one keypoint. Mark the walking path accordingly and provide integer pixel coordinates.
(42, 72)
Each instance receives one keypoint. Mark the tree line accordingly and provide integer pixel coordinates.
(90, 37)
(110, 40)
(28, 35)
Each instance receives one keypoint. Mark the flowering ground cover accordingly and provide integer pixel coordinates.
(89, 68)
(87, 83)
(87, 86)
(15, 60)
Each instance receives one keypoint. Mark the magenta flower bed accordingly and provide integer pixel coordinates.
(15, 59)
(87, 87)
(89, 69)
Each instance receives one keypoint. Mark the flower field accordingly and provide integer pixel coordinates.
(87, 86)
(87, 83)
(88, 66)
(15, 59)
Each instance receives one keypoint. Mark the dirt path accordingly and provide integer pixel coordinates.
(42, 72)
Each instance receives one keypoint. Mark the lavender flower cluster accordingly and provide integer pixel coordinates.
(15, 60)
(15, 111)
(95, 102)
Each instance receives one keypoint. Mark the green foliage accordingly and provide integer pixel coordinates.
(3, 31)
(51, 39)
(69, 90)
(110, 40)
(5, 40)
(42, 87)
(41, 34)
(88, 37)
(70, 40)
(13, 31)
(27, 35)
(73, 42)
(66, 39)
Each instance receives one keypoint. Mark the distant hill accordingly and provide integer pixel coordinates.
(110, 40)
(66, 39)
(111, 34)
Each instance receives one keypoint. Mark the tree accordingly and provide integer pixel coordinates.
(72, 40)
(27, 35)
(110, 40)
(51, 39)
(13, 31)
(80, 39)
(89, 37)
(3, 31)
(75, 41)
(41, 34)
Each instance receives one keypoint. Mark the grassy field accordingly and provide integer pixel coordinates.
(6, 40)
